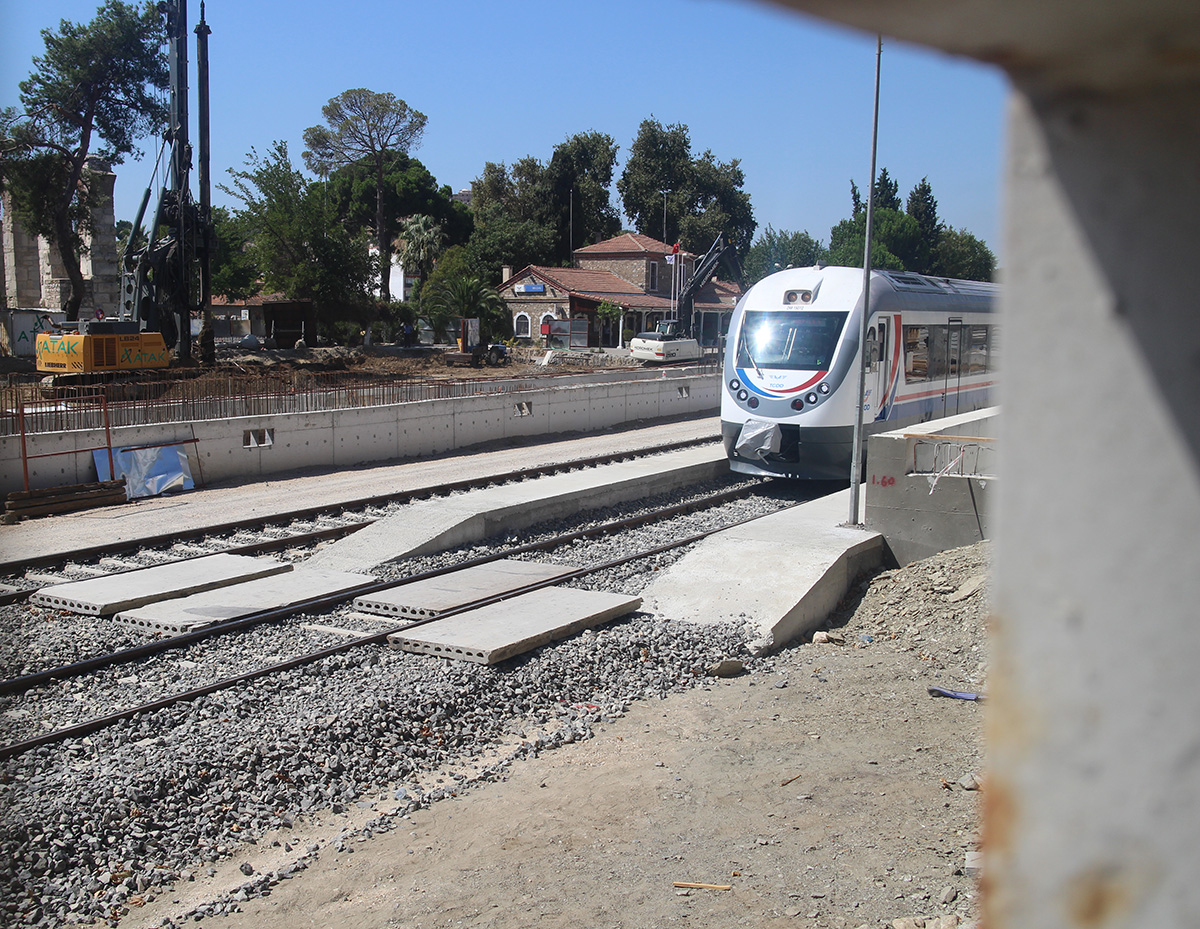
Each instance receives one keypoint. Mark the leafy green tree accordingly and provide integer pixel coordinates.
(361, 125)
(577, 182)
(468, 298)
(660, 159)
(420, 242)
(773, 251)
(568, 195)
(887, 192)
(895, 241)
(96, 82)
(703, 198)
(124, 228)
(915, 240)
(300, 249)
(923, 207)
(234, 274)
(409, 189)
(500, 239)
(453, 262)
(961, 255)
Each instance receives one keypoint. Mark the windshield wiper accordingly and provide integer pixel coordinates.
(746, 349)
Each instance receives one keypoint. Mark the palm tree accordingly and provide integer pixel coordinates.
(466, 298)
(419, 243)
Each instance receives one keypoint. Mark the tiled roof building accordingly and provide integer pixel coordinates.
(630, 270)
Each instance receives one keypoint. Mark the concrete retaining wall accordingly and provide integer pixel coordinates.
(262, 445)
(920, 496)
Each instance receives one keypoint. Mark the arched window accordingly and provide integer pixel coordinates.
(521, 326)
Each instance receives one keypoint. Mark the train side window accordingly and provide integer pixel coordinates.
(976, 361)
(916, 354)
(939, 352)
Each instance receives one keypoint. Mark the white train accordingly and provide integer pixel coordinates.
(792, 360)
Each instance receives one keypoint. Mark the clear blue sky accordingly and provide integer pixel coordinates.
(788, 96)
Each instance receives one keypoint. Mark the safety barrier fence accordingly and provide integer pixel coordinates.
(63, 409)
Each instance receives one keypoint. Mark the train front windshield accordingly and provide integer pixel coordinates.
(792, 340)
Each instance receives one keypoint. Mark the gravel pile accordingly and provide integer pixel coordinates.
(932, 609)
(102, 824)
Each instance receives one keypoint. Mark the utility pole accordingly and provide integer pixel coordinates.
(856, 461)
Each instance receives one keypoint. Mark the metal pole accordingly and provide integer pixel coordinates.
(205, 230)
(180, 163)
(856, 476)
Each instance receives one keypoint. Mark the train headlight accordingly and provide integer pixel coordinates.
(752, 403)
(797, 404)
(812, 398)
(823, 387)
(742, 395)
(734, 384)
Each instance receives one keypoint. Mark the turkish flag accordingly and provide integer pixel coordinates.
(675, 249)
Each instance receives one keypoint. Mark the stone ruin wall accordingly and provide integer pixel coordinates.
(32, 275)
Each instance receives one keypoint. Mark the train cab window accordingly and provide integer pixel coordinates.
(872, 350)
(798, 341)
(916, 354)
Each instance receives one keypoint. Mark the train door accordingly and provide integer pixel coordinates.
(954, 342)
(877, 366)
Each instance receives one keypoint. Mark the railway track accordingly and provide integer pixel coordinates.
(318, 618)
(146, 767)
(296, 529)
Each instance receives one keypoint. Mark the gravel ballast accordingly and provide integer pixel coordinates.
(103, 826)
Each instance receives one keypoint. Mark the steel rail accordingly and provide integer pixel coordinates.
(249, 548)
(158, 646)
(95, 725)
(260, 522)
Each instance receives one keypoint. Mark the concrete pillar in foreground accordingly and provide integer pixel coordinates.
(1093, 793)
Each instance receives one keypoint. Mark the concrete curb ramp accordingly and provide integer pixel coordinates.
(265, 593)
(499, 631)
(784, 573)
(103, 596)
(436, 525)
(435, 595)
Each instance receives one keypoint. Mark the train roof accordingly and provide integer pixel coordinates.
(834, 285)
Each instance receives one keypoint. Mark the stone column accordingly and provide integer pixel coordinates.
(99, 259)
(55, 285)
(22, 272)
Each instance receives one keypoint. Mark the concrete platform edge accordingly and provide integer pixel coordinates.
(822, 598)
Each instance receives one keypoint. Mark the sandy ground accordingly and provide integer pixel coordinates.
(823, 789)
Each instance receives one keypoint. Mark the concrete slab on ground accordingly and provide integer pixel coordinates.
(266, 593)
(103, 596)
(499, 631)
(784, 573)
(435, 595)
(435, 525)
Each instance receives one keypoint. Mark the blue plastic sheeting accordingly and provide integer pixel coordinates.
(148, 472)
